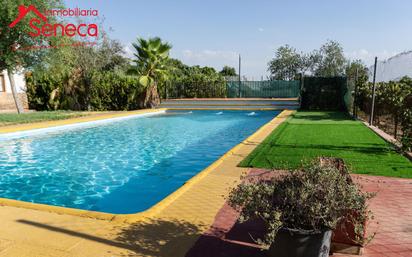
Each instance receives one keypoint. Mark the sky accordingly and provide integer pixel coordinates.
(213, 33)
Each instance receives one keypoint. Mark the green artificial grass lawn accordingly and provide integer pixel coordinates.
(307, 135)
(29, 117)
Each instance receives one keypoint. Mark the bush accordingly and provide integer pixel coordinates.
(185, 88)
(112, 91)
(99, 91)
(315, 198)
(192, 81)
(40, 90)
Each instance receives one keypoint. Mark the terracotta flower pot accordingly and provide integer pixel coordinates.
(345, 232)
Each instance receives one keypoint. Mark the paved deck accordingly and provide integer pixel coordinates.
(392, 209)
(169, 230)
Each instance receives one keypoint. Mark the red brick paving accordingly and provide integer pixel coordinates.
(392, 207)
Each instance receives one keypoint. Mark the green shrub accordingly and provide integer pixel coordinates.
(40, 90)
(111, 91)
(99, 91)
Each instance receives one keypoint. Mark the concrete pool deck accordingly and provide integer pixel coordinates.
(171, 228)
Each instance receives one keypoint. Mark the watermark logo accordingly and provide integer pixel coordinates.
(41, 27)
(23, 12)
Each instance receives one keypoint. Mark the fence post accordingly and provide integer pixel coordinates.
(240, 81)
(373, 93)
(355, 114)
(302, 79)
(226, 89)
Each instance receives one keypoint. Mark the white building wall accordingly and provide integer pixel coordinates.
(19, 80)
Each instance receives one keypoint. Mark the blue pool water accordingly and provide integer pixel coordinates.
(124, 166)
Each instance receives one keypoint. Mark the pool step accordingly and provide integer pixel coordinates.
(224, 103)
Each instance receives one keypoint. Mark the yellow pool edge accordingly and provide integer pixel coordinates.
(155, 209)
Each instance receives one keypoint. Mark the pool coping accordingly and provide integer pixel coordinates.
(157, 207)
(74, 121)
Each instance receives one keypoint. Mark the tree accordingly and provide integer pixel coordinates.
(286, 64)
(357, 74)
(357, 66)
(328, 61)
(309, 62)
(228, 71)
(192, 81)
(331, 60)
(77, 65)
(15, 41)
(394, 94)
(110, 55)
(151, 64)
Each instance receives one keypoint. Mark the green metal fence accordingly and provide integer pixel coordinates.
(264, 89)
(233, 89)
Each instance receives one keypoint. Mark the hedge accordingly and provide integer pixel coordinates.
(99, 91)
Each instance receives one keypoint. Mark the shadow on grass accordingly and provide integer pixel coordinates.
(375, 150)
(320, 116)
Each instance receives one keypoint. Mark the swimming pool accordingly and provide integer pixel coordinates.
(124, 166)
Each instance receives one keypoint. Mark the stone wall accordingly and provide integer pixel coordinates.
(7, 101)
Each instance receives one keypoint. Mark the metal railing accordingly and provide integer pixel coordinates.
(264, 89)
(232, 89)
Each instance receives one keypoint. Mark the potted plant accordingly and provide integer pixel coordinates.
(300, 208)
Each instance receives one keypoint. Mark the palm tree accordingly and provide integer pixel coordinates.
(151, 67)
